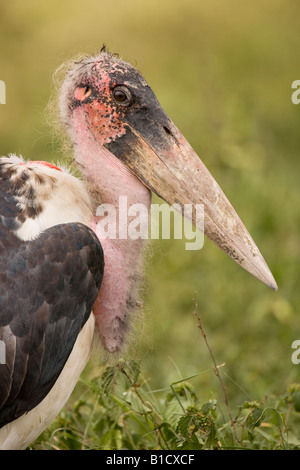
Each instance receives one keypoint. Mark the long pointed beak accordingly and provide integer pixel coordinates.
(166, 163)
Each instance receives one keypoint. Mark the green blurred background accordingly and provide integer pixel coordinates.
(223, 71)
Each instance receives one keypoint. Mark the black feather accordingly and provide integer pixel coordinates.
(47, 290)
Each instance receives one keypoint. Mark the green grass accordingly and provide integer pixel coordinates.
(223, 72)
(120, 411)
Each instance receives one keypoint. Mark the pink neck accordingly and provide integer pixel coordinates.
(108, 179)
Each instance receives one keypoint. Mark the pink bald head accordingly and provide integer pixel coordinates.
(125, 143)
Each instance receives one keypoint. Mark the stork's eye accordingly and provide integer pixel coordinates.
(122, 95)
(82, 92)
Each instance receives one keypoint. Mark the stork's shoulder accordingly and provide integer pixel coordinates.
(47, 290)
(50, 276)
(40, 195)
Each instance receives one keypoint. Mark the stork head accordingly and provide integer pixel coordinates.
(107, 102)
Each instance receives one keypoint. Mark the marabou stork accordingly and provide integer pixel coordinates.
(51, 259)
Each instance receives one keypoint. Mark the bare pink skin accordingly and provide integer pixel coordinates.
(102, 117)
(123, 258)
(106, 104)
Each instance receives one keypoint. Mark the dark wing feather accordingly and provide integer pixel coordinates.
(47, 290)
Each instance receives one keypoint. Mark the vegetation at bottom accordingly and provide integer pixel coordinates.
(120, 411)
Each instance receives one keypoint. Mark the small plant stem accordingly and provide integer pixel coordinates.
(216, 370)
(160, 434)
